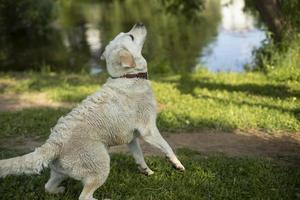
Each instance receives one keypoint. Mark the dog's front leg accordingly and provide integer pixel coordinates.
(135, 149)
(153, 137)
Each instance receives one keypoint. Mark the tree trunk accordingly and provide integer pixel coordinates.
(271, 14)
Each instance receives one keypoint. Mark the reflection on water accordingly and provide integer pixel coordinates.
(237, 37)
(93, 37)
(72, 34)
(234, 18)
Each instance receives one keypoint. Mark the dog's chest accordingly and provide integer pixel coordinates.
(128, 117)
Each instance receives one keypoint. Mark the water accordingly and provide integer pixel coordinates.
(238, 37)
(69, 35)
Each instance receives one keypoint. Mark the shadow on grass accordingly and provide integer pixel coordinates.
(187, 84)
(30, 122)
(295, 112)
(175, 122)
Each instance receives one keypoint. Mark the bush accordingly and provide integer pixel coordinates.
(280, 61)
(26, 16)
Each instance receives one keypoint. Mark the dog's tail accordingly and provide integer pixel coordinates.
(31, 163)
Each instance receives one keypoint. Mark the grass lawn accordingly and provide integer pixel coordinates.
(225, 101)
(213, 177)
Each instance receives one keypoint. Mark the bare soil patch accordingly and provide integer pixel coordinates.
(238, 144)
(13, 102)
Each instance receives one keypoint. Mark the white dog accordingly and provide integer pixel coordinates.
(121, 112)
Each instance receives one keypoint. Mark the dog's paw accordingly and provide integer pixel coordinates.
(146, 171)
(176, 164)
(149, 172)
(179, 167)
(58, 190)
(91, 198)
(61, 189)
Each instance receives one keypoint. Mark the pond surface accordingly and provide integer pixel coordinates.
(238, 36)
(216, 34)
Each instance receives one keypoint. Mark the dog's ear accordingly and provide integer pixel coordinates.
(126, 58)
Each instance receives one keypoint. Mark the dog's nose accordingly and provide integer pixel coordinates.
(139, 24)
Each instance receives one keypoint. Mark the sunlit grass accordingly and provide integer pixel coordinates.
(203, 100)
(206, 177)
(229, 101)
(58, 87)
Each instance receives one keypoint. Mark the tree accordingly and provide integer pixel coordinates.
(271, 13)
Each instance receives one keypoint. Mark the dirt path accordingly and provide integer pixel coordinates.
(207, 142)
(231, 144)
(258, 144)
(13, 102)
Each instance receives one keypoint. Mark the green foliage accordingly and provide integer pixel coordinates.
(291, 11)
(25, 17)
(286, 64)
(25, 27)
(176, 41)
(280, 61)
(213, 177)
(29, 39)
(191, 9)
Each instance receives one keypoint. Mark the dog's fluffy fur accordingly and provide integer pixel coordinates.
(121, 112)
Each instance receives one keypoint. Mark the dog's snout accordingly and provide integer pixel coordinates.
(139, 25)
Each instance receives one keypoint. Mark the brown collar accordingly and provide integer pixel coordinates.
(142, 75)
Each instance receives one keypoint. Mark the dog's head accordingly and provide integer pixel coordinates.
(123, 54)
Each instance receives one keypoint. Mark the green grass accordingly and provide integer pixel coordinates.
(213, 177)
(203, 100)
(29, 122)
(228, 102)
(225, 101)
(58, 87)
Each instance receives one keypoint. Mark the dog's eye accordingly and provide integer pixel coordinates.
(132, 38)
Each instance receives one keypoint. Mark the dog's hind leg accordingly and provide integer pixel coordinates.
(91, 184)
(153, 137)
(135, 149)
(93, 181)
(94, 168)
(53, 183)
